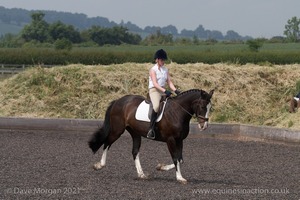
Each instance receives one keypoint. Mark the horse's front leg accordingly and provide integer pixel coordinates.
(175, 149)
(139, 167)
(178, 174)
(135, 153)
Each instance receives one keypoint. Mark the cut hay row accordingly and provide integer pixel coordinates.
(248, 94)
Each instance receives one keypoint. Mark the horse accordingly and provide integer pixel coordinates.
(294, 104)
(172, 129)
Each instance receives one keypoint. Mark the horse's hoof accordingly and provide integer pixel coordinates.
(97, 166)
(160, 167)
(182, 181)
(143, 176)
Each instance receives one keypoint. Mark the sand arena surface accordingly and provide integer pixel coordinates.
(58, 165)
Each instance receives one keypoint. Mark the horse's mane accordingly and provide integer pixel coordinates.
(187, 92)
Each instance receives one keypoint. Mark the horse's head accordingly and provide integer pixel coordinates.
(201, 108)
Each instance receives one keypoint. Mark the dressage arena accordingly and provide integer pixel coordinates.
(57, 164)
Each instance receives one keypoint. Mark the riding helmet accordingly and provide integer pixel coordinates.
(161, 54)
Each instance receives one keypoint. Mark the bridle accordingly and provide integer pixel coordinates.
(196, 115)
(203, 118)
(200, 116)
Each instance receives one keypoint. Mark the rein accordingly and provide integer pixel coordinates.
(198, 117)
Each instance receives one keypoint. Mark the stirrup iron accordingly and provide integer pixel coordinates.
(151, 134)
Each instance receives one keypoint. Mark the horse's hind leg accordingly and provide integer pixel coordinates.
(102, 162)
(114, 134)
(135, 153)
(164, 167)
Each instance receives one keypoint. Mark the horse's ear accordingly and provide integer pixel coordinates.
(211, 93)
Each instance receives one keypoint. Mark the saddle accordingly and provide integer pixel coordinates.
(161, 105)
(145, 109)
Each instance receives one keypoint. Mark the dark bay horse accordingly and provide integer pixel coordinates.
(294, 105)
(173, 128)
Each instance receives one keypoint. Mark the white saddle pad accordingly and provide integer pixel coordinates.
(143, 110)
(297, 99)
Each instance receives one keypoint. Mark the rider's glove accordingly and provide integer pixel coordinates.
(168, 93)
(177, 92)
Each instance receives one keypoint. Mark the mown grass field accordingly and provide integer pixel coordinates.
(248, 94)
(182, 54)
(217, 47)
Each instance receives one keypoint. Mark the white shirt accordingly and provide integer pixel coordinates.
(161, 76)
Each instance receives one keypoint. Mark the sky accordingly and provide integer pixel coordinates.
(255, 18)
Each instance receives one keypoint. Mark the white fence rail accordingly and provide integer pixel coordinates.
(15, 68)
(11, 69)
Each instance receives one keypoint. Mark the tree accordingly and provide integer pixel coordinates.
(9, 40)
(151, 29)
(292, 31)
(158, 39)
(169, 30)
(196, 40)
(59, 30)
(217, 35)
(200, 32)
(232, 36)
(130, 26)
(188, 33)
(115, 36)
(63, 44)
(255, 45)
(37, 29)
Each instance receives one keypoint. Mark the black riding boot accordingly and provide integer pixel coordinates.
(151, 133)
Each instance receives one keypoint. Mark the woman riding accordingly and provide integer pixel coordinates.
(158, 77)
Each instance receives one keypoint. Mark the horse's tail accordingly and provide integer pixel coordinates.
(100, 136)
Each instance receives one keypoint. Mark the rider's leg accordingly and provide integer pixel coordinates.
(151, 133)
(155, 97)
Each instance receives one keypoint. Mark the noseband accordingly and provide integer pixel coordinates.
(203, 118)
(200, 116)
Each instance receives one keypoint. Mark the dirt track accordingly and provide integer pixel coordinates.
(44, 165)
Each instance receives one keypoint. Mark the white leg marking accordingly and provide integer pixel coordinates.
(139, 167)
(102, 163)
(179, 176)
(163, 167)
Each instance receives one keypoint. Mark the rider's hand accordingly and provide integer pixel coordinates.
(168, 93)
(177, 92)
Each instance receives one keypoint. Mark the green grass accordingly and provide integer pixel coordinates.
(286, 47)
(213, 53)
(218, 47)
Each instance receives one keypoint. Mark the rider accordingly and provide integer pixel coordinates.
(158, 77)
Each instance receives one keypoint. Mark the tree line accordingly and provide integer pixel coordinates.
(19, 17)
(63, 36)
